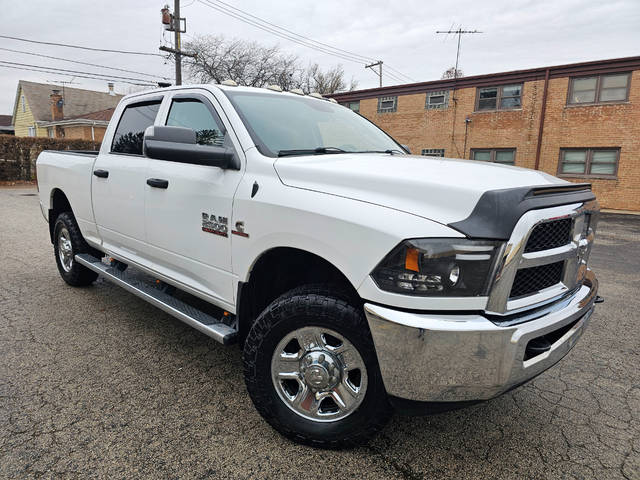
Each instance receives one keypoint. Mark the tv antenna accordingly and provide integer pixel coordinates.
(458, 32)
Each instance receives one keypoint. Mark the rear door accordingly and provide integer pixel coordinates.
(119, 181)
(188, 223)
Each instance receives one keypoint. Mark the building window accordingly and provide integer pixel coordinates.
(505, 156)
(32, 131)
(355, 106)
(24, 105)
(51, 132)
(387, 104)
(589, 162)
(437, 100)
(599, 89)
(504, 97)
(433, 152)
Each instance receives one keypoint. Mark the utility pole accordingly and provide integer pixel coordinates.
(173, 23)
(458, 32)
(379, 72)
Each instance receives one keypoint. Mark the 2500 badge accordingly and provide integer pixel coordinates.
(215, 224)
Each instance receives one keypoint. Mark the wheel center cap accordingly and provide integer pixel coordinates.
(317, 376)
(320, 370)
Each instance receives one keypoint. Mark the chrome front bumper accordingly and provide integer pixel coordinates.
(452, 358)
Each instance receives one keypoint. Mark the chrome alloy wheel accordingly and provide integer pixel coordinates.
(319, 374)
(65, 250)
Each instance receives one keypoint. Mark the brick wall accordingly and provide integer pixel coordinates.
(614, 125)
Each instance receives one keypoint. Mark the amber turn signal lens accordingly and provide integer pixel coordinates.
(411, 260)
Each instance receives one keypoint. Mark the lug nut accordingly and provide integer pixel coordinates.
(321, 358)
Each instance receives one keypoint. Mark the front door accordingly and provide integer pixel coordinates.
(188, 219)
(119, 181)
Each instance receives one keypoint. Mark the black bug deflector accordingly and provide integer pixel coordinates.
(497, 211)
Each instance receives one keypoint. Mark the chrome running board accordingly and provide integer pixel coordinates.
(197, 319)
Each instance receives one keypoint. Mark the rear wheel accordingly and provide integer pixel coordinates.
(67, 242)
(312, 372)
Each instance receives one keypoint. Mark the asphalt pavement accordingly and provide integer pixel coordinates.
(95, 382)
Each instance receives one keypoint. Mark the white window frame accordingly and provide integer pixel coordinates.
(391, 109)
(432, 152)
(23, 103)
(32, 131)
(433, 106)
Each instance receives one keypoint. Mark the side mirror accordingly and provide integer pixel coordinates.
(406, 148)
(178, 144)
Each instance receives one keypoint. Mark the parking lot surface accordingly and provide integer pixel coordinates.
(95, 382)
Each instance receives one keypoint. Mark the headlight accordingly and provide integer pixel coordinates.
(441, 267)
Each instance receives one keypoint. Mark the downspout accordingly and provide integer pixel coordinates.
(93, 133)
(545, 91)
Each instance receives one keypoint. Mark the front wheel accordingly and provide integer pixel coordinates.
(312, 372)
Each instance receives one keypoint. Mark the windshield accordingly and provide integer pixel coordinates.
(290, 124)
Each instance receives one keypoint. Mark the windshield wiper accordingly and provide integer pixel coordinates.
(310, 151)
(390, 152)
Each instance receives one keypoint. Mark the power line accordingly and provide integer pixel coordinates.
(43, 70)
(106, 76)
(83, 63)
(128, 52)
(286, 34)
(364, 58)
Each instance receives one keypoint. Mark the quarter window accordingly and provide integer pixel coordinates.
(433, 152)
(387, 104)
(504, 97)
(589, 162)
(134, 121)
(505, 156)
(437, 100)
(194, 114)
(599, 89)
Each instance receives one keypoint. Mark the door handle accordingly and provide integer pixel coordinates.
(101, 173)
(157, 182)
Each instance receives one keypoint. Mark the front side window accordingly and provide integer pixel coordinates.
(437, 100)
(192, 113)
(433, 152)
(505, 156)
(599, 89)
(387, 104)
(134, 121)
(589, 162)
(505, 97)
(281, 123)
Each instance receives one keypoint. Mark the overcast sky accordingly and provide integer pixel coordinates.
(516, 34)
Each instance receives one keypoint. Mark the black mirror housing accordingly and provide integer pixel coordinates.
(178, 144)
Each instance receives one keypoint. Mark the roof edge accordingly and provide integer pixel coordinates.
(526, 75)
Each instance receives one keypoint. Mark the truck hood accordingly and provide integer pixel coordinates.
(441, 189)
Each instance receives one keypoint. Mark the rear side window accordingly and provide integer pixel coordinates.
(192, 113)
(133, 122)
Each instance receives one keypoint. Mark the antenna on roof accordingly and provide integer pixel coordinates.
(458, 32)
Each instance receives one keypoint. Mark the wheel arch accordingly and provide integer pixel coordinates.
(58, 203)
(279, 270)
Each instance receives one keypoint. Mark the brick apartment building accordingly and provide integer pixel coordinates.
(580, 122)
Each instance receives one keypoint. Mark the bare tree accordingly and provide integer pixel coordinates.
(451, 72)
(254, 65)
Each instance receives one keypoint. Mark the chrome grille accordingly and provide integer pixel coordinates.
(545, 257)
(547, 235)
(533, 279)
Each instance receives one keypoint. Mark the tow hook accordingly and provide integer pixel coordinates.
(599, 299)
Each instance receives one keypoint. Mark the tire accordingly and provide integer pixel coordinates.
(67, 242)
(301, 312)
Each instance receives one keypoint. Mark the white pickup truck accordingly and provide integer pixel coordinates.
(356, 277)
